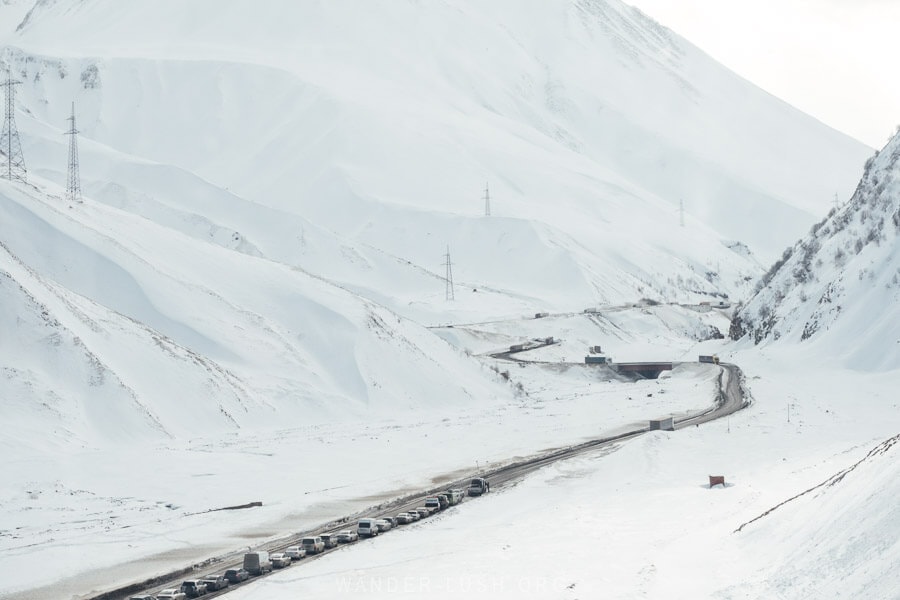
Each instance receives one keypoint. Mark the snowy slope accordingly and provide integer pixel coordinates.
(236, 312)
(838, 289)
(851, 519)
(641, 521)
(594, 122)
(104, 299)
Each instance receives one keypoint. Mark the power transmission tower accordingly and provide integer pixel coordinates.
(448, 278)
(13, 166)
(73, 179)
(487, 200)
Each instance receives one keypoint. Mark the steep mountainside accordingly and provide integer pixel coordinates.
(839, 288)
(266, 191)
(382, 123)
(117, 330)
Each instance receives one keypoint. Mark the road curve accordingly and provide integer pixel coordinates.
(729, 398)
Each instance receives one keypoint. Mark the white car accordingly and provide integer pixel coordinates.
(295, 552)
(346, 536)
(383, 525)
(280, 560)
(171, 594)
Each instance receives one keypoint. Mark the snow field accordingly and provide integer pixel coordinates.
(640, 521)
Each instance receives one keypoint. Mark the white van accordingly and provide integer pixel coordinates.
(257, 563)
(367, 528)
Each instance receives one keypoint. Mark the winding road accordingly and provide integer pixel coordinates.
(729, 398)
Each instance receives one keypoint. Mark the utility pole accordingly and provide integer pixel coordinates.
(681, 212)
(13, 166)
(73, 178)
(448, 278)
(837, 204)
(487, 200)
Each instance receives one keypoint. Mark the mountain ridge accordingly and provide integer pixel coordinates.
(842, 281)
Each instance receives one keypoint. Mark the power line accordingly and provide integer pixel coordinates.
(13, 166)
(73, 178)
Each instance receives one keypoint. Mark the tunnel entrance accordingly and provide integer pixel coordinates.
(648, 370)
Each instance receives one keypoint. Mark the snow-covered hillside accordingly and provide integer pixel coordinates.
(382, 123)
(249, 305)
(266, 191)
(117, 327)
(838, 289)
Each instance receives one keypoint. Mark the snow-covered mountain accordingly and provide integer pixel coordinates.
(251, 298)
(382, 124)
(838, 289)
(264, 191)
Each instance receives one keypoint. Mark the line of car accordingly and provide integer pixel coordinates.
(262, 562)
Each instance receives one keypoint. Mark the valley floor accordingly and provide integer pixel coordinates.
(113, 517)
(641, 522)
(637, 522)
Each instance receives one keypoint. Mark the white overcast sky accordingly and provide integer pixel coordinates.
(837, 60)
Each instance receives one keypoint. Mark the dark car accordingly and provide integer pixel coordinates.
(237, 575)
(214, 583)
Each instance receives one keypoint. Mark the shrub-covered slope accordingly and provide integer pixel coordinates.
(839, 288)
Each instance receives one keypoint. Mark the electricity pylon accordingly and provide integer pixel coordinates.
(13, 165)
(73, 178)
(448, 278)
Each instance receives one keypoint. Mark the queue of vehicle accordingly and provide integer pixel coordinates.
(260, 562)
